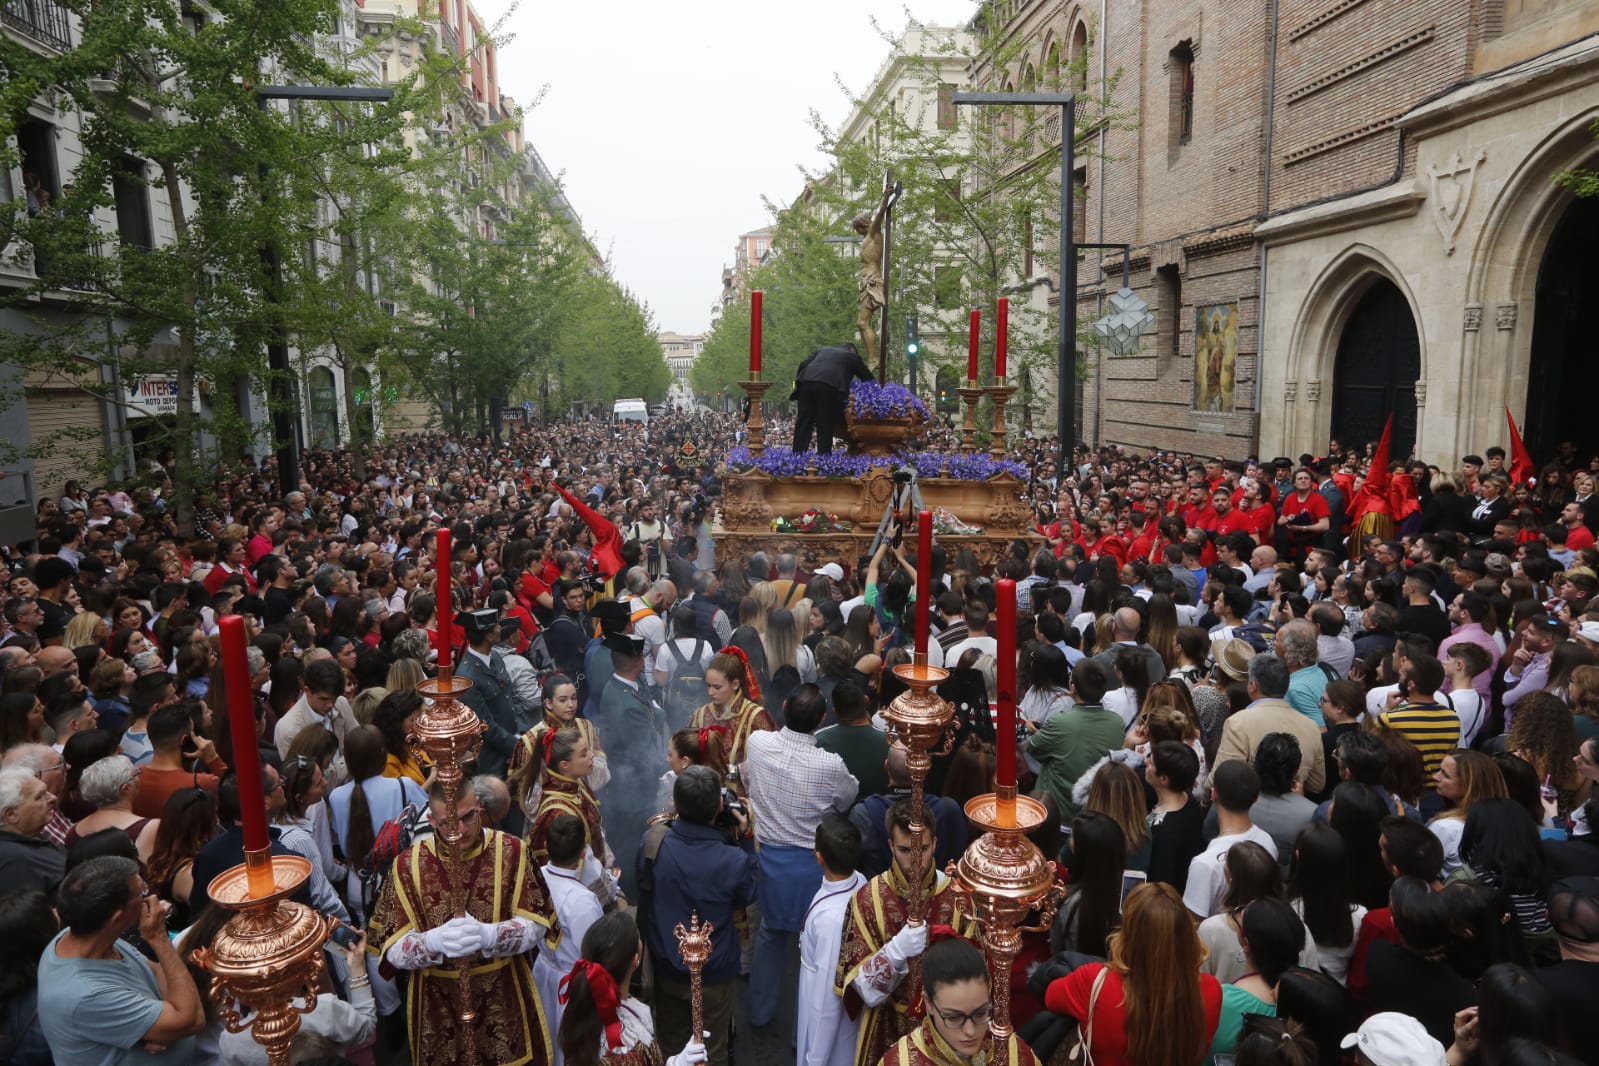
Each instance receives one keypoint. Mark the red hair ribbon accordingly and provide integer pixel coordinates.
(752, 688)
(602, 986)
(707, 731)
(548, 740)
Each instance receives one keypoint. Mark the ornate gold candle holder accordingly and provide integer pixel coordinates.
(757, 421)
(1006, 877)
(694, 948)
(971, 395)
(920, 719)
(268, 958)
(450, 734)
(1000, 393)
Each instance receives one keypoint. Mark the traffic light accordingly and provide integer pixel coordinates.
(913, 342)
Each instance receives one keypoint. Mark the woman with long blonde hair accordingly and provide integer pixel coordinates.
(1149, 1005)
(1464, 779)
(1117, 792)
(782, 641)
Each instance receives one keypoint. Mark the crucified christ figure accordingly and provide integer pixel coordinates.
(870, 283)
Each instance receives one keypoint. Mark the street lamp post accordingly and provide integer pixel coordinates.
(285, 424)
(1066, 371)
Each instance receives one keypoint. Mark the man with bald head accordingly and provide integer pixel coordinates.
(55, 660)
(1126, 625)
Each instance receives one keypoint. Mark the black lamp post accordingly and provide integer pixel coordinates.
(285, 424)
(1066, 371)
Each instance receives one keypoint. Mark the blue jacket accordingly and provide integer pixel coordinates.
(490, 698)
(698, 871)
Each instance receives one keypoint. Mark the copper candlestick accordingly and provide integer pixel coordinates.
(757, 422)
(1000, 393)
(450, 734)
(268, 958)
(694, 948)
(920, 719)
(971, 395)
(1006, 877)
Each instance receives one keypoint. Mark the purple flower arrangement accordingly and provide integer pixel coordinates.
(785, 462)
(868, 399)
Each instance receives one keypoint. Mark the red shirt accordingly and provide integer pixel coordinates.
(1234, 521)
(1070, 995)
(213, 582)
(1314, 503)
(1263, 520)
(1377, 925)
(1579, 537)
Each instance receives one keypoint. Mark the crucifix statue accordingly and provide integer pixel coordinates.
(876, 230)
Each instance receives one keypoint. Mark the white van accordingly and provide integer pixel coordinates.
(630, 411)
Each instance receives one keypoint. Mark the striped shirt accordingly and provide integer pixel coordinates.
(1432, 727)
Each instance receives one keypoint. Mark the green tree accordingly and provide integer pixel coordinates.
(607, 350)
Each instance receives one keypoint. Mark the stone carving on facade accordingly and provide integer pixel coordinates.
(1473, 318)
(1421, 393)
(1290, 388)
(1313, 391)
(1451, 195)
(1505, 318)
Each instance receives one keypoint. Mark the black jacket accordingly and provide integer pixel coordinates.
(833, 366)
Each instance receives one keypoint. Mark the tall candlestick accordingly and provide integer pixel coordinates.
(1005, 685)
(972, 344)
(241, 722)
(446, 605)
(924, 583)
(755, 335)
(1001, 341)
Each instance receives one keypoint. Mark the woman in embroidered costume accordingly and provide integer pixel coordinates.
(954, 1031)
(692, 747)
(560, 709)
(564, 759)
(601, 1023)
(733, 689)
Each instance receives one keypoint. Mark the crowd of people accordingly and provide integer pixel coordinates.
(1316, 739)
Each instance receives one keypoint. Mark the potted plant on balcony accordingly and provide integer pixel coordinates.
(881, 417)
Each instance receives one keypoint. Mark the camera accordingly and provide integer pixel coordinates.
(695, 511)
(730, 803)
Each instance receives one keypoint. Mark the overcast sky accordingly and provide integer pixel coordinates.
(670, 121)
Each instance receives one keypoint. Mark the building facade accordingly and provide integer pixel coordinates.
(1337, 210)
(681, 351)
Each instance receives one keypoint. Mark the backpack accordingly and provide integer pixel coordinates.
(687, 692)
(538, 654)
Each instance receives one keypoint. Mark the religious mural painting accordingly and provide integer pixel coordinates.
(1215, 357)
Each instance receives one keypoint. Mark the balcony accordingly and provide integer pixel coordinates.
(448, 40)
(43, 20)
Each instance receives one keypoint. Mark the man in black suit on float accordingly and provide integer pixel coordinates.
(821, 387)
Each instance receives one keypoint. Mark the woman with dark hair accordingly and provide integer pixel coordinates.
(564, 760)
(602, 1022)
(1318, 889)
(1499, 849)
(1127, 698)
(1412, 975)
(21, 720)
(1544, 733)
(27, 925)
(826, 620)
(1252, 874)
(1048, 691)
(1272, 938)
(305, 824)
(362, 805)
(1267, 1041)
(395, 718)
(188, 822)
(866, 641)
(82, 751)
(1511, 1003)
(1323, 1009)
(1092, 908)
(284, 685)
(1357, 812)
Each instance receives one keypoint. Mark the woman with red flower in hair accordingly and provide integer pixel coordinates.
(734, 692)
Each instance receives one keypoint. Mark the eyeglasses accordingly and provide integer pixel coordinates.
(955, 1019)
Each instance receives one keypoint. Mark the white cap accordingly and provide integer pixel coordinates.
(1589, 631)
(1394, 1039)
(832, 570)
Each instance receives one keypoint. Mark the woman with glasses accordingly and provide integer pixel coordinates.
(304, 821)
(959, 1001)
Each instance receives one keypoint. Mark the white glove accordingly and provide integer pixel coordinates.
(455, 939)
(693, 1053)
(487, 932)
(908, 943)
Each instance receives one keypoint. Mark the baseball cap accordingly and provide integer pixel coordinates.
(1394, 1039)
(832, 570)
(1589, 631)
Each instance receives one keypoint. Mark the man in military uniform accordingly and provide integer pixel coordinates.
(490, 695)
(634, 728)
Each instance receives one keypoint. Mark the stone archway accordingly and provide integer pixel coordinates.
(1376, 369)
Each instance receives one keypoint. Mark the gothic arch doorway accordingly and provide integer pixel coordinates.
(1564, 325)
(1378, 362)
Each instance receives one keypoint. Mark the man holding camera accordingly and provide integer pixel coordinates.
(696, 867)
(654, 539)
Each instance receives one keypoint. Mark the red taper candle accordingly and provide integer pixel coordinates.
(1005, 685)
(442, 589)
(1001, 326)
(972, 344)
(924, 583)
(241, 722)
(755, 335)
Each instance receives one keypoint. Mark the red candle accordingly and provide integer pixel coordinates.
(971, 345)
(1005, 685)
(446, 608)
(241, 721)
(755, 335)
(1001, 325)
(924, 583)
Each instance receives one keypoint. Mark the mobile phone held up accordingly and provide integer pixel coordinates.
(344, 935)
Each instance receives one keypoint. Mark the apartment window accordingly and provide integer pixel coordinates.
(131, 196)
(1182, 92)
(36, 141)
(1079, 58)
(946, 288)
(946, 107)
(946, 200)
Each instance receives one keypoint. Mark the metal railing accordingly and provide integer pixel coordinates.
(448, 40)
(44, 20)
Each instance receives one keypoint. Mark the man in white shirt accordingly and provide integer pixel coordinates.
(976, 615)
(1234, 788)
(826, 1033)
(321, 703)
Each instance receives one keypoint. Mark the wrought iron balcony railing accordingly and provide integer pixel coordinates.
(44, 20)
